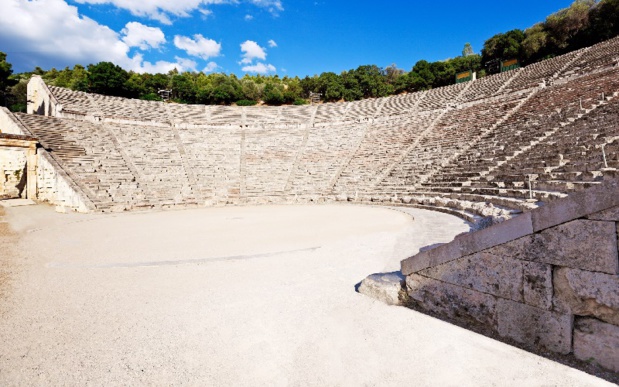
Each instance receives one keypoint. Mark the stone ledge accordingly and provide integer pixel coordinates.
(470, 243)
(577, 205)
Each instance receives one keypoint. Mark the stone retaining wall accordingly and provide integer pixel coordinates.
(547, 278)
(57, 188)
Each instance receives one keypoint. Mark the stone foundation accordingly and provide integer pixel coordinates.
(548, 279)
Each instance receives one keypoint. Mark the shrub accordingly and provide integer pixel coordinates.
(245, 102)
(150, 97)
(300, 101)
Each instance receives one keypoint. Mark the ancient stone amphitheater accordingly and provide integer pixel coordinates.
(491, 151)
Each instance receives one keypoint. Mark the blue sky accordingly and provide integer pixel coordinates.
(285, 37)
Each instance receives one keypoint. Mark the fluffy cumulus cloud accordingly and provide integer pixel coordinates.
(199, 46)
(210, 67)
(259, 68)
(144, 37)
(162, 10)
(53, 33)
(251, 50)
(272, 43)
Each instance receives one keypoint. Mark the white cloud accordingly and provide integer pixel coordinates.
(260, 68)
(144, 37)
(162, 10)
(251, 50)
(210, 67)
(274, 6)
(205, 12)
(199, 46)
(50, 33)
(248, 17)
(51, 29)
(272, 43)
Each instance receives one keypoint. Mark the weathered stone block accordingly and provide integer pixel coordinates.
(384, 287)
(586, 293)
(516, 249)
(465, 305)
(597, 341)
(533, 326)
(612, 215)
(537, 284)
(585, 244)
(498, 234)
(577, 205)
(428, 258)
(483, 272)
(581, 244)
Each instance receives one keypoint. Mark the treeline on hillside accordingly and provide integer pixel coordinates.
(584, 23)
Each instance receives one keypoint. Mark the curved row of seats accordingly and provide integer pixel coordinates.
(499, 145)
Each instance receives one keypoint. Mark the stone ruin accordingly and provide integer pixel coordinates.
(528, 156)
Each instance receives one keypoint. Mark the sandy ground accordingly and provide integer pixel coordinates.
(241, 296)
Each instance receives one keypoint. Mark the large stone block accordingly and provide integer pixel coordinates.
(533, 326)
(537, 284)
(612, 215)
(384, 287)
(483, 272)
(597, 341)
(582, 244)
(577, 205)
(464, 305)
(586, 293)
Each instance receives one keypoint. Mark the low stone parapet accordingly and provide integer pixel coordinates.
(548, 278)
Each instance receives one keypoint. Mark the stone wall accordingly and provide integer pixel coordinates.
(57, 188)
(548, 278)
(8, 123)
(12, 172)
(40, 99)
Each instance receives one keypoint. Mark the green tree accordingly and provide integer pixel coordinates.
(603, 22)
(331, 86)
(273, 94)
(107, 78)
(183, 87)
(6, 69)
(134, 86)
(251, 90)
(564, 25)
(535, 43)
(503, 46)
(422, 77)
(79, 78)
(467, 50)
